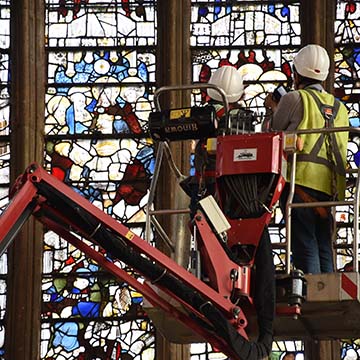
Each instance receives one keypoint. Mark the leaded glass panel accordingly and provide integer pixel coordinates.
(347, 88)
(97, 104)
(218, 24)
(96, 23)
(347, 62)
(260, 40)
(114, 174)
(99, 92)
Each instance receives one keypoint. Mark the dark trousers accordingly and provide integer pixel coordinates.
(311, 234)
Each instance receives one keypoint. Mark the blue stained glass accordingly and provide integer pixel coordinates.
(355, 122)
(66, 336)
(271, 9)
(86, 309)
(203, 11)
(104, 96)
(143, 72)
(217, 10)
(116, 100)
(121, 126)
(285, 11)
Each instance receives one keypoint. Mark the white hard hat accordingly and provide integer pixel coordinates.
(313, 62)
(228, 79)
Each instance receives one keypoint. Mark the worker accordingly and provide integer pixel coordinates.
(321, 158)
(203, 183)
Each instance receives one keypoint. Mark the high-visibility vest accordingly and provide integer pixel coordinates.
(321, 162)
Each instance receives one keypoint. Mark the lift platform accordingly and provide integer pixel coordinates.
(331, 310)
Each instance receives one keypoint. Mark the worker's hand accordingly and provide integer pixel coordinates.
(270, 103)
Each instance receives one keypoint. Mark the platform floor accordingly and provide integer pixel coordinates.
(331, 311)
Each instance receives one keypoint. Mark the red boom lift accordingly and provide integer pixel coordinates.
(215, 307)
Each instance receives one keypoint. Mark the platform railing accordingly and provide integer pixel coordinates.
(352, 202)
(163, 149)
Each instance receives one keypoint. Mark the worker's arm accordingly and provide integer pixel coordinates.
(288, 113)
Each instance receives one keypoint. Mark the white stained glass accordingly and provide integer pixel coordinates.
(3, 264)
(146, 30)
(126, 26)
(4, 175)
(272, 24)
(58, 31)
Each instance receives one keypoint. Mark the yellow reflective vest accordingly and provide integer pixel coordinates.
(322, 161)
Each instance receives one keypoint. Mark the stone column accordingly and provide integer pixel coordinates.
(28, 70)
(318, 27)
(174, 68)
(322, 350)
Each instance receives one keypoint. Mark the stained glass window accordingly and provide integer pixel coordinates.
(4, 100)
(260, 40)
(347, 61)
(4, 145)
(347, 41)
(101, 78)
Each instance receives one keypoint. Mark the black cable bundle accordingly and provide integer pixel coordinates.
(245, 195)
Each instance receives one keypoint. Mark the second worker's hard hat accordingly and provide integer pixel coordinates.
(313, 62)
(228, 79)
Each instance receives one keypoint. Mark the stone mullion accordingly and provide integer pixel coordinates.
(22, 335)
(318, 18)
(173, 68)
(317, 27)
